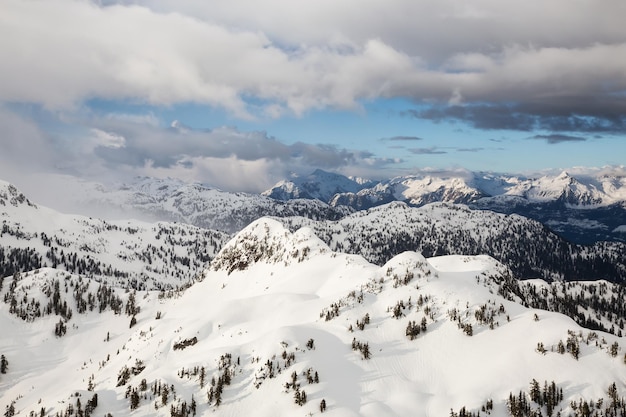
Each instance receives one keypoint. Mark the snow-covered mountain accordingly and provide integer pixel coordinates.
(582, 208)
(414, 190)
(580, 191)
(455, 187)
(176, 252)
(281, 325)
(127, 253)
(526, 246)
(173, 200)
(320, 185)
(555, 200)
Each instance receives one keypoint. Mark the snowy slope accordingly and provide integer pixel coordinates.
(277, 308)
(130, 253)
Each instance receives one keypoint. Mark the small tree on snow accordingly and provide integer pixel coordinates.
(4, 364)
(323, 405)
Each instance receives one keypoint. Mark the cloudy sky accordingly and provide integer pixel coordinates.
(240, 93)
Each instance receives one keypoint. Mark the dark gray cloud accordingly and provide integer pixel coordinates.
(165, 148)
(116, 148)
(556, 138)
(479, 116)
(427, 151)
(581, 114)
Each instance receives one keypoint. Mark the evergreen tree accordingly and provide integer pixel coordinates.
(164, 394)
(4, 364)
(535, 392)
(192, 407)
(202, 377)
(10, 410)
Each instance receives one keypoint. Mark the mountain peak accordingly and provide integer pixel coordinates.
(319, 185)
(267, 240)
(10, 195)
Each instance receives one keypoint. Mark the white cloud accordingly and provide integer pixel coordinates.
(108, 139)
(117, 148)
(297, 56)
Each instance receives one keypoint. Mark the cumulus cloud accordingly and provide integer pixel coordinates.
(163, 59)
(480, 63)
(165, 148)
(116, 148)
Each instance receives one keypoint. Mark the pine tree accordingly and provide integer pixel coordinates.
(10, 410)
(366, 351)
(323, 405)
(164, 394)
(218, 397)
(202, 377)
(535, 392)
(192, 407)
(4, 364)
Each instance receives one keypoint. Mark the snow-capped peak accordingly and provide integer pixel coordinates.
(10, 195)
(267, 240)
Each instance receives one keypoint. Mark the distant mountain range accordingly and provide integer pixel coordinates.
(584, 209)
(581, 208)
(469, 187)
(173, 200)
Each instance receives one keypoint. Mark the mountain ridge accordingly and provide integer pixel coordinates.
(194, 203)
(583, 208)
(325, 333)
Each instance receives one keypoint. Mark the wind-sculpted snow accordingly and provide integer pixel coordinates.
(525, 246)
(292, 335)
